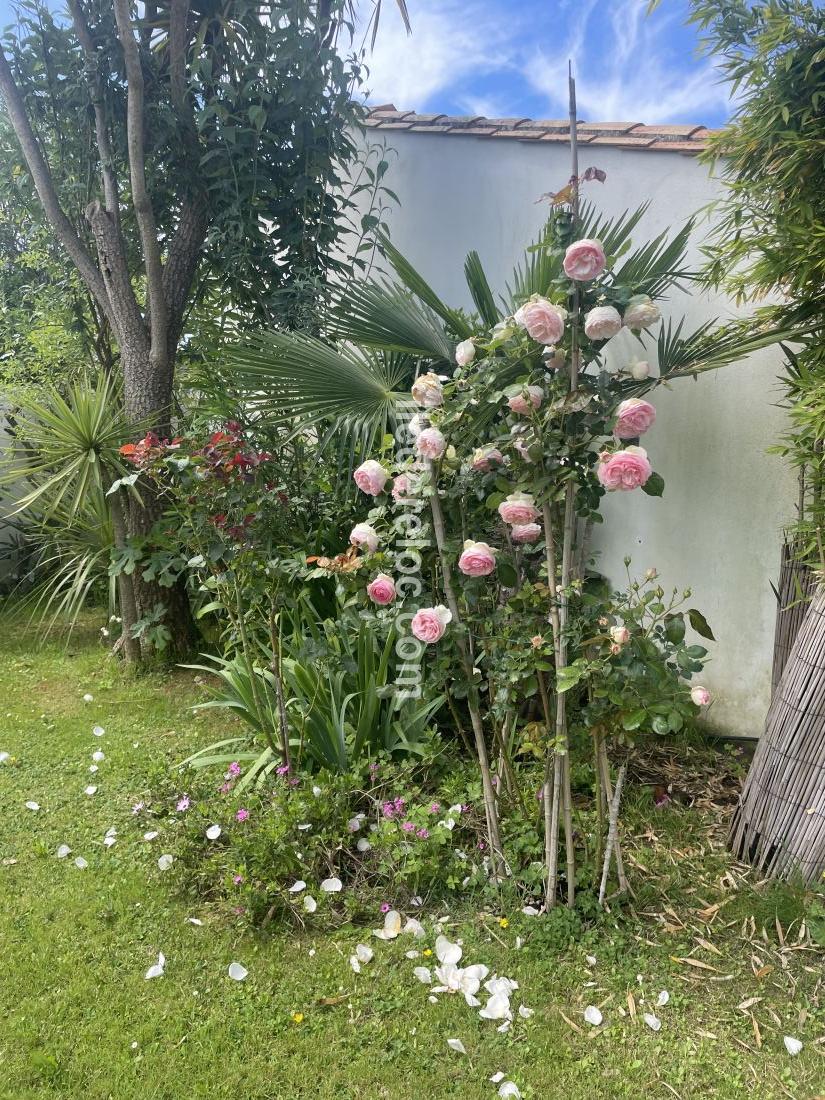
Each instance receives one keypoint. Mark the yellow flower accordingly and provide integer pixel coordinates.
(426, 952)
(503, 922)
(297, 1017)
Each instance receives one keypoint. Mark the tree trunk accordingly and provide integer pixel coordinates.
(779, 824)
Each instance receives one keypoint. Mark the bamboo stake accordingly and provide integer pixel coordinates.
(488, 792)
(612, 831)
(608, 794)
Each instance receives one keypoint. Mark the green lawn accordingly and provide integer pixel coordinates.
(79, 1021)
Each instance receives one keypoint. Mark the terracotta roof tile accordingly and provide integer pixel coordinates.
(673, 138)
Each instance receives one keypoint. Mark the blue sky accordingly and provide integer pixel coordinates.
(509, 57)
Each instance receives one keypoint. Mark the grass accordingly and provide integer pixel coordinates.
(79, 1020)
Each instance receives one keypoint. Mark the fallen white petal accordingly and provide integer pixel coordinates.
(32, 805)
(412, 954)
(364, 953)
(392, 926)
(111, 831)
(297, 886)
(213, 832)
(423, 974)
(310, 904)
(446, 952)
(432, 1000)
(4, 756)
(316, 791)
(151, 835)
(497, 1077)
(504, 1027)
(91, 789)
(355, 964)
(303, 828)
(63, 851)
(456, 1045)
(530, 911)
(653, 1022)
(98, 731)
(591, 960)
(593, 1015)
(109, 841)
(332, 886)
(92, 768)
(354, 824)
(80, 863)
(165, 862)
(497, 1008)
(156, 969)
(363, 844)
(87, 698)
(194, 920)
(237, 972)
(509, 1088)
(98, 756)
(793, 1046)
(663, 998)
(525, 1012)
(415, 928)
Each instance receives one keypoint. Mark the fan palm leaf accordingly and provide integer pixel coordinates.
(379, 314)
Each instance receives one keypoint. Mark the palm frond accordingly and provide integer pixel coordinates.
(657, 265)
(381, 315)
(480, 290)
(710, 347)
(419, 286)
(534, 273)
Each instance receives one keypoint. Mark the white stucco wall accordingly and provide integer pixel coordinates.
(718, 527)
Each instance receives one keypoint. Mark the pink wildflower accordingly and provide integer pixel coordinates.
(408, 826)
(435, 807)
(388, 810)
(422, 833)
(138, 806)
(282, 769)
(234, 770)
(238, 879)
(183, 803)
(242, 815)
(385, 907)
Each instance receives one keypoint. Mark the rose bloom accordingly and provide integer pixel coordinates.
(522, 449)
(584, 260)
(525, 532)
(484, 457)
(465, 353)
(620, 635)
(615, 649)
(641, 312)
(602, 322)
(518, 509)
(371, 477)
(633, 417)
(627, 469)
(543, 320)
(429, 623)
(700, 696)
(426, 391)
(639, 370)
(365, 536)
(400, 486)
(477, 559)
(430, 443)
(416, 425)
(526, 401)
(381, 590)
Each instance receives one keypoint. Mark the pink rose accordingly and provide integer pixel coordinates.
(633, 418)
(485, 457)
(430, 443)
(639, 370)
(641, 312)
(400, 486)
(426, 391)
(627, 469)
(381, 590)
(518, 509)
(523, 449)
(477, 559)
(371, 477)
(465, 353)
(602, 322)
(429, 623)
(364, 535)
(543, 320)
(700, 696)
(525, 532)
(530, 398)
(620, 635)
(584, 260)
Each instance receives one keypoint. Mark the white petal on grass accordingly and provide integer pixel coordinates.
(456, 1045)
(297, 886)
(91, 789)
(310, 904)
(509, 1089)
(412, 954)
(591, 960)
(156, 969)
(194, 920)
(793, 1046)
(355, 964)
(392, 926)
(497, 1077)
(653, 1022)
(530, 911)
(316, 790)
(353, 825)
(365, 954)
(87, 698)
(213, 832)
(363, 844)
(98, 756)
(80, 863)
(446, 952)
(503, 1028)
(423, 974)
(303, 828)
(593, 1016)
(525, 1012)
(33, 806)
(165, 862)
(497, 1008)
(332, 886)
(111, 831)
(151, 835)
(4, 756)
(414, 928)
(98, 731)
(501, 985)
(92, 768)
(237, 972)
(109, 841)
(63, 851)
(663, 998)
